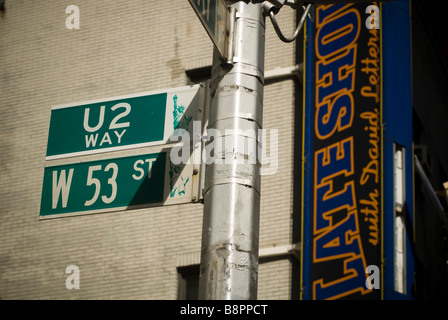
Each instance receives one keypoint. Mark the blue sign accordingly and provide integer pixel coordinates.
(342, 182)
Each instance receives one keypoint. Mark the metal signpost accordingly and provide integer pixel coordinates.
(114, 154)
(229, 260)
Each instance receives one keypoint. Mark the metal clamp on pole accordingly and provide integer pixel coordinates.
(271, 9)
(231, 28)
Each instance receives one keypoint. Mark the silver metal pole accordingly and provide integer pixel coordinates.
(229, 255)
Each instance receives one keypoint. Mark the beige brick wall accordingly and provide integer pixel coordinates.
(122, 47)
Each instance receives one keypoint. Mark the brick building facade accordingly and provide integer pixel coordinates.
(123, 47)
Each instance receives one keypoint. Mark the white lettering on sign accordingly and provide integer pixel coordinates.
(100, 121)
(101, 181)
(114, 124)
(61, 186)
(96, 182)
(106, 138)
(93, 181)
(92, 139)
(112, 181)
(119, 135)
(141, 170)
(205, 8)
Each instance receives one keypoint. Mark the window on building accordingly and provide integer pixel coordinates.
(199, 75)
(188, 282)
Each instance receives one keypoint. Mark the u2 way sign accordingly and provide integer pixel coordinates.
(118, 123)
(114, 154)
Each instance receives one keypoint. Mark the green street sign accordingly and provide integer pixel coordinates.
(114, 154)
(213, 15)
(104, 184)
(118, 123)
(141, 180)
